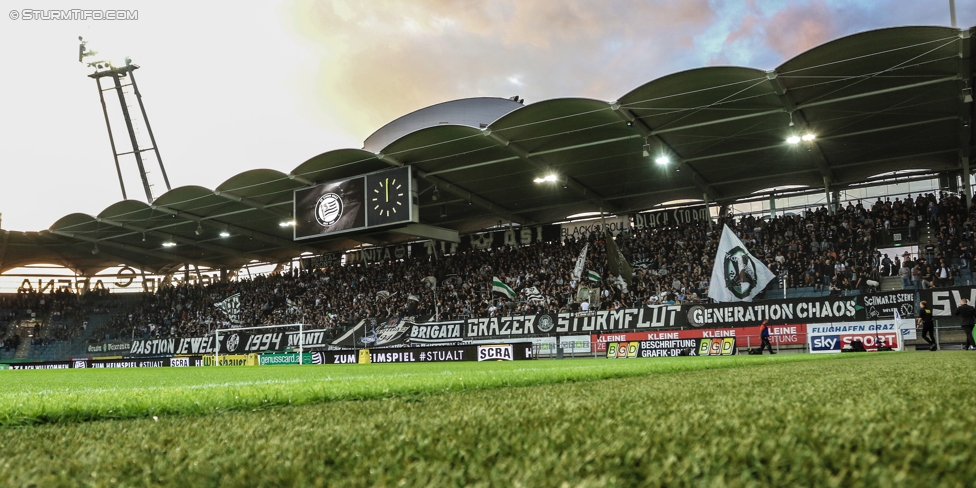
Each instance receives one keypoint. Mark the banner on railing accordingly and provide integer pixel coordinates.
(231, 342)
(945, 301)
(805, 310)
(110, 347)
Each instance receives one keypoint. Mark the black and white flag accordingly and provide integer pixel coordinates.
(533, 294)
(580, 263)
(231, 307)
(737, 275)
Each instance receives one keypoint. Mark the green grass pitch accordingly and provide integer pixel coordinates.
(890, 419)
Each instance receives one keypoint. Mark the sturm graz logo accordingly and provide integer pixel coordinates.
(328, 210)
(545, 323)
(740, 272)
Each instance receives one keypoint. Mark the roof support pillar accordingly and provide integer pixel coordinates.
(965, 182)
(830, 205)
(711, 225)
(965, 112)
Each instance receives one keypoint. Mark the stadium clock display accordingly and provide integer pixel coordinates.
(387, 197)
(370, 200)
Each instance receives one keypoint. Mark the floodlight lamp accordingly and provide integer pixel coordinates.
(224, 233)
(550, 177)
(287, 223)
(199, 229)
(169, 244)
(662, 160)
(436, 194)
(539, 180)
(793, 139)
(808, 137)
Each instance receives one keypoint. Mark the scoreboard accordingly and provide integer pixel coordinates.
(373, 200)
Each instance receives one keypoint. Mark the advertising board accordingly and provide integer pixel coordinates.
(719, 346)
(832, 338)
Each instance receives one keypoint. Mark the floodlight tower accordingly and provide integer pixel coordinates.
(128, 93)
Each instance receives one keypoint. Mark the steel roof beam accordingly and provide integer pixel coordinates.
(798, 119)
(808, 105)
(462, 193)
(260, 236)
(571, 183)
(301, 179)
(701, 124)
(219, 250)
(826, 138)
(251, 203)
(646, 132)
(166, 256)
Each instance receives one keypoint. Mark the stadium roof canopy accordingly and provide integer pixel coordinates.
(885, 100)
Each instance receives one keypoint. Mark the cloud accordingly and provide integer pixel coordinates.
(799, 27)
(378, 61)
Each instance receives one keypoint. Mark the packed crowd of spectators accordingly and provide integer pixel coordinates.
(45, 318)
(827, 252)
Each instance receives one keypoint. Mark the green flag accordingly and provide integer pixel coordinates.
(499, 286)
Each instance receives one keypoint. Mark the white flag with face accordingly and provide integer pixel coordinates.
(737, 275)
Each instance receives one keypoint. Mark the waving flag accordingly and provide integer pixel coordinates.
(737, 275)
(231, 307)
(498, 286)
(580, 263)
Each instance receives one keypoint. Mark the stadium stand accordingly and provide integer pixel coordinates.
(816, 254)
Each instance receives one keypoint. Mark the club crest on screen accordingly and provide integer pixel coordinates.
(328, 209)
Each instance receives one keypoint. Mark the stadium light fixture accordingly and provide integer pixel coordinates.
(663, 160)
(199, 229)
(542, 179)
(287, 223)
(224, 233)
(793, 139)
(808, 137)
(169, 244)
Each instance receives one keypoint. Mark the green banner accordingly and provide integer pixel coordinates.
(286, 358)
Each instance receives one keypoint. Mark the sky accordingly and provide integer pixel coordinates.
(229, 87)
